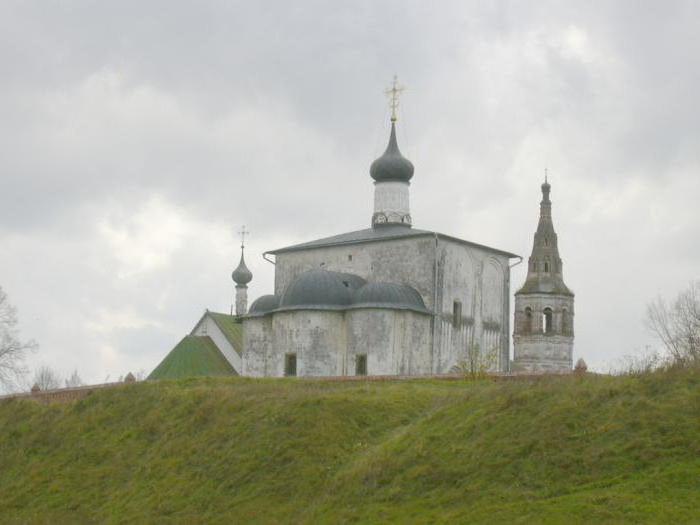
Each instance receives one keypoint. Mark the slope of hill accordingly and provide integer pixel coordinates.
(594, 449)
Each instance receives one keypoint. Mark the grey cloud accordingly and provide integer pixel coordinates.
(270, 113)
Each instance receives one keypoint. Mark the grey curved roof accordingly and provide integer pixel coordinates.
(264, 304)
(392, 166)
(320, 288)
(388, 295)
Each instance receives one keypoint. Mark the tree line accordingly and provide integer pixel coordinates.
(675, 323)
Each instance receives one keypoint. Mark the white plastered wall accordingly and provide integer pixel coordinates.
(209, 327)
(391, 198)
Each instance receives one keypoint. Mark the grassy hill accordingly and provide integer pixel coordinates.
(594, 449)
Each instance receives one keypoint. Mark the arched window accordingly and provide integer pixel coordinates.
(457, 314)
(546, 267)
(547, 325)
(527, 328)
(546, 241)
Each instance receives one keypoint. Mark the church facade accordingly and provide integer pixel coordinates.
(390, 300)
(387, 300)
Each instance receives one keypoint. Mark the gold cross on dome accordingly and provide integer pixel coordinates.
(243, 232)
(393, 93)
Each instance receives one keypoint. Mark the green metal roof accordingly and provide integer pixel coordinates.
(195, 355)
(231, 327)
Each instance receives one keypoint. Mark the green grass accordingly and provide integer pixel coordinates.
(227, 450)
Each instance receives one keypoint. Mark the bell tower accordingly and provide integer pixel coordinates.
(543, 337)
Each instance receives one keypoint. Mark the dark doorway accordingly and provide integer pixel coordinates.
(290, 365)
(361, 365)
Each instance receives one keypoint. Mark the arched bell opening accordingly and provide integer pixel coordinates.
(547, 321)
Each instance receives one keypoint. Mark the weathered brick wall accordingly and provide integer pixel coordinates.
(62, 395)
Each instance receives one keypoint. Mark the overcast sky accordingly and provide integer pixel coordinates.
(137, 137)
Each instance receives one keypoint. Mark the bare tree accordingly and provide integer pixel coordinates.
(46, 378)
(74, 380)
(13, 351)
(476, 363)
(677, 324)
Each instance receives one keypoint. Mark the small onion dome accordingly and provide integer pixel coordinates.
(242, 275)
(264, 304)
(320, 288)
(392, 166)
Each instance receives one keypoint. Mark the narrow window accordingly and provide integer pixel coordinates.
(290, 365)
(456, 313)
(546, 267)
(361, 365)
(349, 257)
(546, 241)
(528, 320)
(565, 322)
(547, 320)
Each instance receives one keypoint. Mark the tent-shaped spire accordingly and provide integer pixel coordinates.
(545, 271)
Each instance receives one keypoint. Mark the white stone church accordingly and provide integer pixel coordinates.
(389, 300)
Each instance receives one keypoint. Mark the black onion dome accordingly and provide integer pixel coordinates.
(392, 166)
(264, 304)
(388, 295)
(242, 274)
(320, 288)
